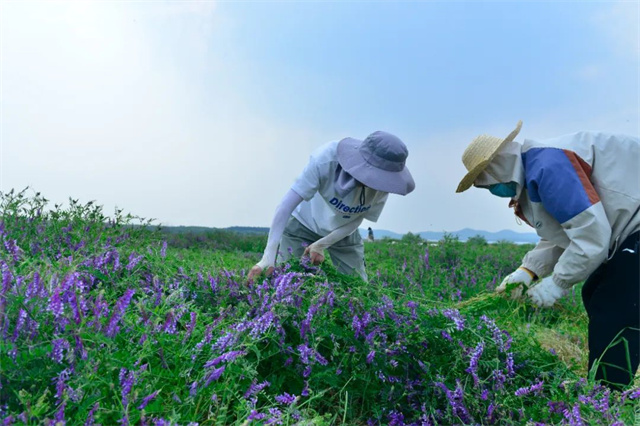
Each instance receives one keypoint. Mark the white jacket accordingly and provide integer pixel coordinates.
(581, 193)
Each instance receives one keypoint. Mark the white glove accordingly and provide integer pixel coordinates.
(520, 280)
(546, 293)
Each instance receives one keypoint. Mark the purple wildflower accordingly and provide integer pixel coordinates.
(536, 388)
(573, 416)
(255, 415)
(170, 323)
(490, 409)
(556, 407)
(510, 366)
(118, 313)
(72, 300)
(499, 379)
(22, 317)
(163, 250)
(60, 384)
(631, 394)
(59, 416)
(7, 277)
(396, 418)
(227, 357)
(307, 371)
(134, 259)
(147, 399)
(600, 404)
(305, 353)
(127, 380)
(191, 326)
(473, 363)
(261, 324)
(255, 388)
(225, 341)
(214, 375)
(12, 248)
(193, 389)
(498, 335)
(357, 326)
(55, 304)
(286, 399)
(275, 418)
(90, 420)
(58, 346)
(456, 401)
(454, 315)
(33, 288)
(370, 357)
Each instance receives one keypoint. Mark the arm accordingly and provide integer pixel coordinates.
(288, 203)
(589, 233)
(316, 250)
(541, 260)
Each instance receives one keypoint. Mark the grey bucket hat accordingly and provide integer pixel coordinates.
(378, 162)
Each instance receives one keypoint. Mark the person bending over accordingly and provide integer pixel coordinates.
(581, 193)
(344, 183)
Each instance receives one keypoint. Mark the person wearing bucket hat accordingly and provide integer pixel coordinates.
(581, 194)
(344, 183)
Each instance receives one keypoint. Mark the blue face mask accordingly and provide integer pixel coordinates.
(506, 190)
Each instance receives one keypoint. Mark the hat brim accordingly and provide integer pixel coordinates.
(354, 163)
(472, 174)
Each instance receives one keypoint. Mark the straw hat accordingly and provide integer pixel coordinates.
(378, 162)
(479, 154)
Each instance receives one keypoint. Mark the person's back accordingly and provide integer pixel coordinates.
(612, 164)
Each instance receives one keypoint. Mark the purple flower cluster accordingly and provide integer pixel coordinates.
(535, 388)
(285, 399)
(454, 315)
(456, 401)
(147, 399)
(473, 363)
(118, 313)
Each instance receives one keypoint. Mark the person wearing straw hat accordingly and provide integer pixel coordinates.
(581, 193)
(344, 183)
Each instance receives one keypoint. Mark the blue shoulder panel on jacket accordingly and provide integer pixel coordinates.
(552, 179)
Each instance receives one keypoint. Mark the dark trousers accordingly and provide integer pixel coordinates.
(611, 297)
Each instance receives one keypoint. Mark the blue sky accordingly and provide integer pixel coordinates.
(203, 113)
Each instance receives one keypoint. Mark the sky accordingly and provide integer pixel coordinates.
(204, 113)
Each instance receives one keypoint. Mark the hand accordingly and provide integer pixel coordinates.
(546, 293)
(315, 253)
(256, 271)
(516, 283)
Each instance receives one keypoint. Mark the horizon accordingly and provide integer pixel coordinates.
(532, 233)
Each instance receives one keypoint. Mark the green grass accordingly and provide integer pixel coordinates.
(102, 322)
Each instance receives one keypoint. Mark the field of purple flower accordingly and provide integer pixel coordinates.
(105, 323)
